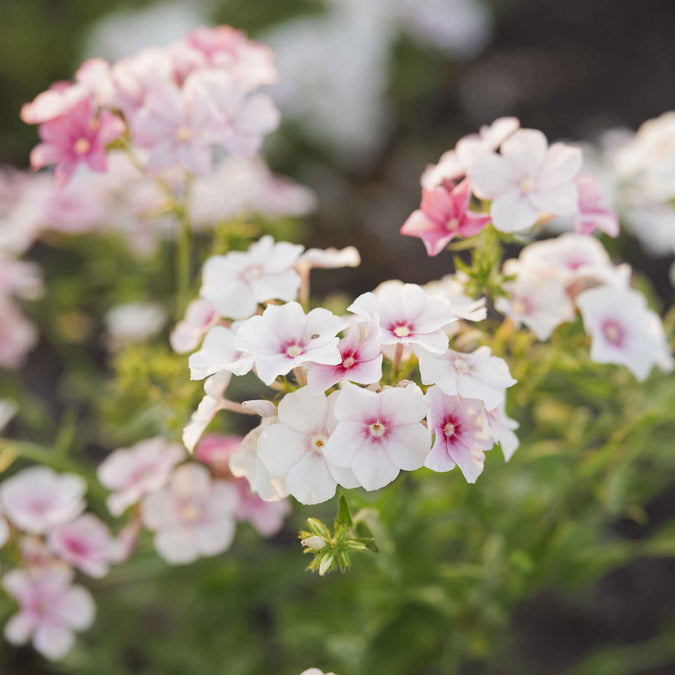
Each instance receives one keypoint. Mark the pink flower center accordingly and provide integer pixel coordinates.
(521, 306)
(76, 546)
(318, 442)
(402, 329)
(294, 350)
(82, 146)
(184, 134)
(349, 361)
(462, 366)
(377, 429)
(452, 224)
(451, 427)
(613, 332)
(251, 273)
(190, 513)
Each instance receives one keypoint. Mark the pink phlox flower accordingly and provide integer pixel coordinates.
(133, 472)
(50, 609)
(407, 315)
(500, 427)
(379, 434)
(85, 543)
(218, 353)
(528, 182)
(266, 517)
(453, 290)
(192, 517)
(361, 359)
(284, 337)
(56, 102)
(293, 448)
(443, 215)
(210, 405)
(188, 333)
(38, 499)
(459, 437)
(81, 136)
(593, 213)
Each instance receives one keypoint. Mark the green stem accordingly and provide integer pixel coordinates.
(183, 264)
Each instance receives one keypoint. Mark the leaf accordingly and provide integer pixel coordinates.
(344, 516)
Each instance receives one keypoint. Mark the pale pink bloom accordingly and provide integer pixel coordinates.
(361, 359)
(4, 531)
(238, 120)
(235, 283)
(330, 258)
(575, 260)
(188, 333)
(79, 137)
(624, 330)
(529, 181)
(133, 322)
(379, 434)
(126, 541)
(453, 165)
(500, 427)
(215, 450)
(452, 289)
(176, 127)
(443, 215)
(192, 517)
(19, 278)
(541, 305)
(37, 499)
(459, 436)
(294, 447)
(56, 102)
(85, 543)
(35, 554)
(267, 517)
(133, 77)
(132, 472)
(282, 198)
(218, 353)
(476, 375)
(212, 403)
(284, 337)
(407, 316)
(251, 62)
(17, 335)
(593, 213)
(314, 671)
(95, 76)
(245, 463)
(51, 608)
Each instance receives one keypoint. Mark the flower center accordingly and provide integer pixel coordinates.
(402, 330)
(521, 306)
(318, 442)
(252, 273)
(462, 366)
(452, 224)
(82, 146)
(449, 429)
(527, 186)
(349, 362)
(377, 429)
(184, 134)
(190, 512)
(613, 332)
(293, 350)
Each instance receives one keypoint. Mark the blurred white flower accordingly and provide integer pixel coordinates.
(134, 322)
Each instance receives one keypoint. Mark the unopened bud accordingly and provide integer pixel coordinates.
(325, 564)
(318, 528)
(315, 543)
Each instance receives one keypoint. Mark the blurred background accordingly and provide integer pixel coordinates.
(372, 91)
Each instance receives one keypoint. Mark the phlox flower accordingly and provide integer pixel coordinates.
(226, 48)
(218, 353)
(192, 517)
(215, 450)
(459, 437)
(443, 215)
(81, 136)
(284, 337)
(330, 258)
(454, 164)
(379, 434)
(475, 375)
(528, 181)
(540, 304)
(85, 543)
(500, 427)
(235, 283)
(19, 278)
(452, 289)
(17, 335)
(245, 463)
(133, 322)
(293, 448)
(132, 472)
(407, 315)
(56, 102)
(188, 333)
(38, 499)
(50, 610)
(212, 402)
(361, 359)
(593, 213)
(36, 555)
(624, 330)
(239, 120)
